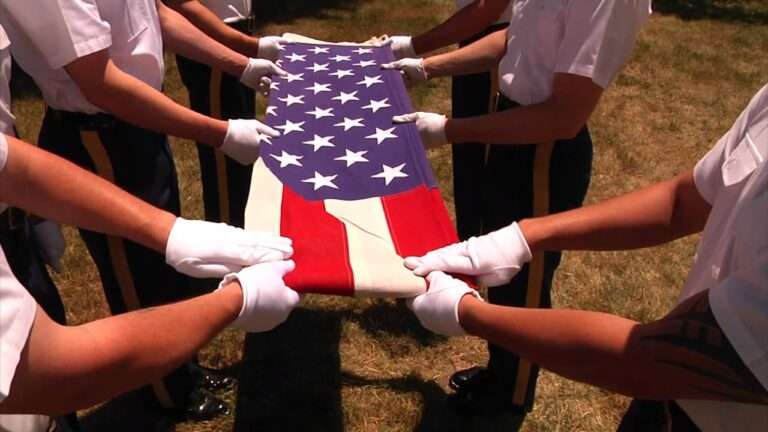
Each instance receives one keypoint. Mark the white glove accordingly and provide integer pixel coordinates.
(438, 308)
(431, 127)
(269, 47)
(244, 138)
(207, 249)
(412, 70)
(258, 71)
(267, 302)
(402, 46)
(495, 258)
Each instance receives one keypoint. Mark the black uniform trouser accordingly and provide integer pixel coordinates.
(225, 181)
(523, 181)
(656, 416)
(140, 162)
(471, 95)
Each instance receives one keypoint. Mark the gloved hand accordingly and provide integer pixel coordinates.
(438, 308)
(267, 302)
(50, 241)
(257, 72)
(431, 127)
(244, 138)
(207, 249)
(495, 258)
(412, 70)
(269, 47)
(402, 46)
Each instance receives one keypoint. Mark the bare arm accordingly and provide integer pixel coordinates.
(561, 116)
(93, 362)
(135, 102)
(54, 188)
(464, 24)
(210, 24)
(182, 37)
(654, 215)
(480, 56)
(682, 356)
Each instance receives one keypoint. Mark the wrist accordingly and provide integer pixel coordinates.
(468, 311)
(534, 233)
(160, 227)
(232, 295)
(248, 45)
(417, 42)
(216, 132)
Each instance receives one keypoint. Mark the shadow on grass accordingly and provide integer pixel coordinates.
(127, 413)
(289, 10)
(736, 11)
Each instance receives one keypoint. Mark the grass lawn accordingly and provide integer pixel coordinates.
(366, 365)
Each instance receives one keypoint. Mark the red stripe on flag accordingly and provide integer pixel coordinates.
(418, 221)
(320, 247)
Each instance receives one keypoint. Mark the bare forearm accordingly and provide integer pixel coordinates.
(96, 361)
(481, 56)
(210, 24)
(655, 215)
(464, 24)
(182, 37)
(49, 186)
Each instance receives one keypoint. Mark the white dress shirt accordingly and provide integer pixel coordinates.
(229, 11)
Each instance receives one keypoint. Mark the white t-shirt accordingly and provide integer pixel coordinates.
(229, 11)
(6, 118)
(732, 258)
(503, 18)
(590, 38)
(53, 33)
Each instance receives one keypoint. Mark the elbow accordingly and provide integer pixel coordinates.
(565, 128)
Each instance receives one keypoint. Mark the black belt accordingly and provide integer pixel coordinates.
(86, 121)
(12, 219)
(243, 26)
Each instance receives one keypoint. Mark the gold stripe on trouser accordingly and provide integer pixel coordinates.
(221, 159)
(116, 246)
(541, 166)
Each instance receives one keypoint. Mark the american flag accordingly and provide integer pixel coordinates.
(354, 191)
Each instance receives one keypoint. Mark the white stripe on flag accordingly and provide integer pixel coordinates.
(262, 212)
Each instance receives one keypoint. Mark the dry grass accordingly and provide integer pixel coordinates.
(365, 365)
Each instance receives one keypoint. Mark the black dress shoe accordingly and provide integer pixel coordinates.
(474, 377)
(203, 405)
(211, 379)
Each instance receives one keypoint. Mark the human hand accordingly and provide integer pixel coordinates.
(207, 249)
(244, 138)
(257, 73)
(431, 127)
(267, 301)
(412, 70)
(269, 47)
(402, 46)
(495, 258)
(438, 308)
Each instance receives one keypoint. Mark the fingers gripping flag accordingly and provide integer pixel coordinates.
(353, 190)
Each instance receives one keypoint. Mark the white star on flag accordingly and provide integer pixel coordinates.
(382, 135)
(366, 63)
(349, 123)
(319, 88)
(352, 158)
(369, 81)
(341, 73)
(377, 105)
(320, 112)
(346, 97)
(291, 100)
(290, 126)
(340, 58)
(362, 51)
(294, 77)
(266, 138)
(274, 85)
(318, 67)
(271, 110)
(389, 173)
(319, 142)
(319, 50)
(286, 159)
(296, 57)
(321, 181)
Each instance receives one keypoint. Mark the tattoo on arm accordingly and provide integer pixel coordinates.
(701, 350)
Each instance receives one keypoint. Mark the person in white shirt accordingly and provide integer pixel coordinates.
(554, 62)
(703, 366)
(214, 93)
(89, 363)
(99, 65)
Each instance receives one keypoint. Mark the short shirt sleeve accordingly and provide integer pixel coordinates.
(3, 151)
(599, 36)
(17, 313)
(62, 30)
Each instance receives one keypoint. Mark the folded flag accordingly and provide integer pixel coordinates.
(354, 191)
